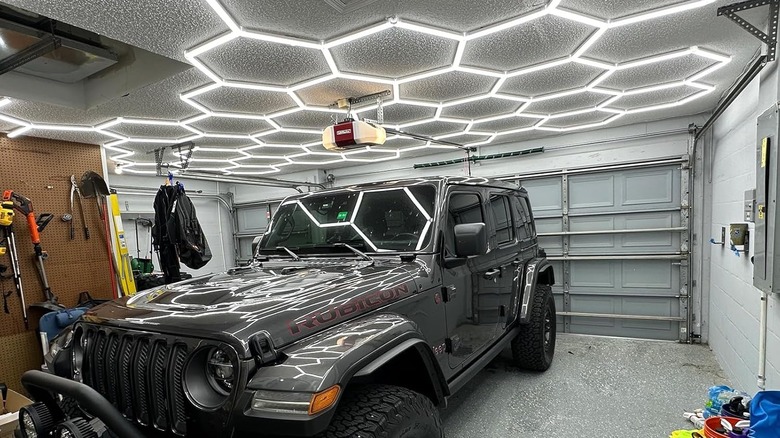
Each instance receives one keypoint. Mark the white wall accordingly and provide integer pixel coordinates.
(214, 217)
(730, 169)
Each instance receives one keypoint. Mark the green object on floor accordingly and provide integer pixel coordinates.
(142, 266)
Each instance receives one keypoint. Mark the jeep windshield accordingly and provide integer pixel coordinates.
(372, 220)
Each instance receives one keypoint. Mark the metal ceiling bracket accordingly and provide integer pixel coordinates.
(47, 44)
(182, 148)
(770, 38)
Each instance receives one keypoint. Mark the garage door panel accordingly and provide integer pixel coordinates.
(645, 187)
(551, 244)
(660, 330)
(548, 225)
(587, 191)
(252, 219)
(625, 191)
(667, 240)
(649, 274)
(592, 273)
(657, 329)
(592, 304)
(592, 241)
(545, 195)
(624, 277)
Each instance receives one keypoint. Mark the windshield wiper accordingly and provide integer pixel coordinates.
(292, 254)
(361, 254)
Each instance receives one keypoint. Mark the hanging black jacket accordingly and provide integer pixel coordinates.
(185, 231)
(166, 248)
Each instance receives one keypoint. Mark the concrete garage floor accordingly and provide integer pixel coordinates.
(600, 387)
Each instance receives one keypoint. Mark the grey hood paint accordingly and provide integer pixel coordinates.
(287, 300)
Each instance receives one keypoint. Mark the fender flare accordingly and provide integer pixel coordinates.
(423, 350)
(537, 271)
(337, 355)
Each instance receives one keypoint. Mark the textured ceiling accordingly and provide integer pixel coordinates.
(505, 70)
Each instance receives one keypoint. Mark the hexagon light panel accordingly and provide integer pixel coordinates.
(516, 106)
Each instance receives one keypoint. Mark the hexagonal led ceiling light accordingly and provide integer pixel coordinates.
(305, 154)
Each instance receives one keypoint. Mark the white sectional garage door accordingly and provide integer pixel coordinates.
(618, 239)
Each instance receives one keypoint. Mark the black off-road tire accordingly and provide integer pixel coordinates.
(534, 347)
(384, 411)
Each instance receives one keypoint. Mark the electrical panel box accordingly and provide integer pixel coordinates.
(750, 205)
(766, 257)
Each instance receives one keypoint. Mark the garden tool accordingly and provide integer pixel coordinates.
(74, 189)
(23, 205)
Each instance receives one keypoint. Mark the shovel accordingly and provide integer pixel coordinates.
(93, 185)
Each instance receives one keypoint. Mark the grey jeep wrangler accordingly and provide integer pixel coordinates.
(363, 310)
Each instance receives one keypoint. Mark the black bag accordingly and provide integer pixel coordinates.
(186, 232)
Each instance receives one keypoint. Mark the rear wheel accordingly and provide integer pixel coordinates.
(534, 347)
(375, 411)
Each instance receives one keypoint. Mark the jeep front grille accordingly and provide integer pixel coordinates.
(140, 374)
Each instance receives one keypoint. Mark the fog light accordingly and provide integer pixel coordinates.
(75, 428)
(35, 420)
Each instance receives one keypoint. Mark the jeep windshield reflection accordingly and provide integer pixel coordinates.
(379, 220)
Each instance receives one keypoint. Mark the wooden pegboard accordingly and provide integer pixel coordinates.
(40, 169)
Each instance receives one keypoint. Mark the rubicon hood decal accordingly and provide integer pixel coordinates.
(357, 305)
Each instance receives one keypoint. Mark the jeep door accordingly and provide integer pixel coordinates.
(468, 332)
(495, 302)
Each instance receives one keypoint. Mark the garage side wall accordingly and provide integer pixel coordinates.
(730, 169)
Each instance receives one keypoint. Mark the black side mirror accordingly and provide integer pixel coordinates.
(470, 239)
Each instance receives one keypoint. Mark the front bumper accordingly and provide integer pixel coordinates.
(42, 387)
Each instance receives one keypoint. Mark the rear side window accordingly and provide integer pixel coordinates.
(527, 210)
(505, 231)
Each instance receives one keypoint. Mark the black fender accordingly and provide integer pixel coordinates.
(353, 349)
(536, 271)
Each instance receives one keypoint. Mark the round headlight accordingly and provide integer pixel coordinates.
(219, 371)
(75, 428)
(35, 420)
(209, 377)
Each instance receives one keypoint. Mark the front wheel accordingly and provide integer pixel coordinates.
(375, 411)
(534, 346)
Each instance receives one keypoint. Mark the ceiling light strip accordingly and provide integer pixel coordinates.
(359, 34)
(279, 39)
(507, 24)
(223, 15)
(19, 131)
(660, 13)
(211, 44)
(579, 18)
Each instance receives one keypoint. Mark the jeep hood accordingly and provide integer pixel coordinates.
(288, 301)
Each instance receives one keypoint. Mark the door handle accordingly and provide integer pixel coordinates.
(491, 274)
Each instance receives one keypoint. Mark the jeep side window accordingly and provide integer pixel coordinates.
(523, 218)
(464, 208)
(499, 206)
(527, 211)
